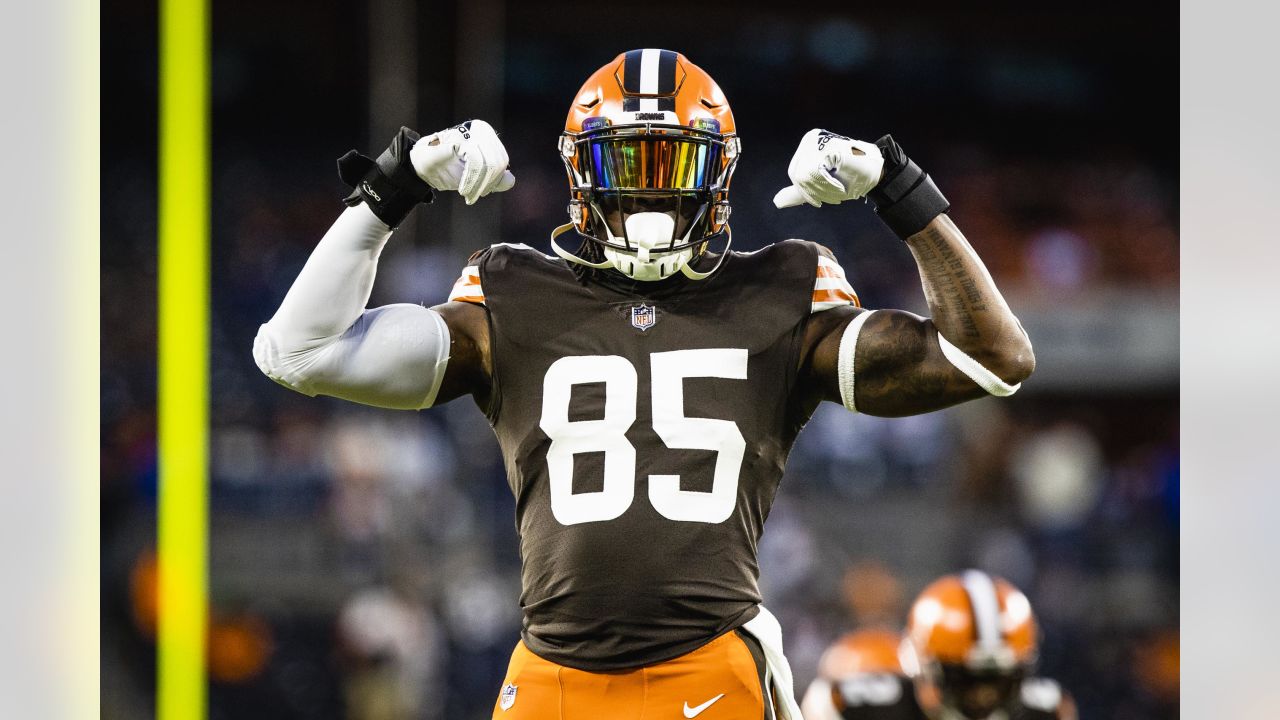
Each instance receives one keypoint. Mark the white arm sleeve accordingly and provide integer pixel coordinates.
(323, 342)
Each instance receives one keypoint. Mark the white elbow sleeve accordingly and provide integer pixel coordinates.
(846, 356)
(393, 356)
(271, 361)
(978, 373)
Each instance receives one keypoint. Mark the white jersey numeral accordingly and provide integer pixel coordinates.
(608, 435)
(579, 436)
(680, 432)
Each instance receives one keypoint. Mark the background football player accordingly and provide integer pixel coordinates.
(861, 676)
(644, 389)
(970, 647)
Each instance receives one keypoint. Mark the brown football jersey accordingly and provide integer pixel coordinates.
(644, 428)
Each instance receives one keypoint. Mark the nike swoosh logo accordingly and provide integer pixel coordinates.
(695, 711)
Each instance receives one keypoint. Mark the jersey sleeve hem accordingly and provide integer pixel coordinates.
(830, 287)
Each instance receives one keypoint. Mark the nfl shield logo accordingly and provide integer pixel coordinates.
(508, 697)
(643, 317)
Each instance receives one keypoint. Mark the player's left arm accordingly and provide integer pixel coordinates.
(892, 362)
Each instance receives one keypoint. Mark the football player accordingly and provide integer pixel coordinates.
(860, 676)
(968, 654)
(645, 387)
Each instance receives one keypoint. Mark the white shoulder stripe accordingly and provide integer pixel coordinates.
(830, 288)
(832, 283)
(824, 261)
(467, 287)
(821, 305)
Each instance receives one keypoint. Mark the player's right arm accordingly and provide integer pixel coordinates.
(323, 341)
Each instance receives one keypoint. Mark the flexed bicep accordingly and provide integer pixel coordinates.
(891, 362)
(393, 356)
(888, 363)
(323, 341)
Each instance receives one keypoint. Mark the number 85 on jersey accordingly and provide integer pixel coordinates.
(608, 435)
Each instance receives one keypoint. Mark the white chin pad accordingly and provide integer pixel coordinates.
(647, 232)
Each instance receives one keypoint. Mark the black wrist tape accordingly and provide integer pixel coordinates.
(905, 198)
(389, 186)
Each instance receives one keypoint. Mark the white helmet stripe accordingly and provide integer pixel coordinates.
(649, 60)
(986, 608)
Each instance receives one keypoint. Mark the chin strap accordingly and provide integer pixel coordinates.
(692, 274)
(570, 257)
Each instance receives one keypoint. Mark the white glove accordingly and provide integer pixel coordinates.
(830, 168)
(468, 158)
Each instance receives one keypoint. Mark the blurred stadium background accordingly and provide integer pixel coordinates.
(364, 562)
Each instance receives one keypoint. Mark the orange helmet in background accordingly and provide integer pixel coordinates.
(971, 639)
(858, 673)
(862, 651)
(649, 146)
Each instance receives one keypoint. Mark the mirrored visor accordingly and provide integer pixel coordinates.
(652, 162)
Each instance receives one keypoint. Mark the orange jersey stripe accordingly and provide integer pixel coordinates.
(467, 288)
(836, 296)
(832, 294)
(830, 288)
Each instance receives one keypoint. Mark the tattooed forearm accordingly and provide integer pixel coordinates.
(899, 365)
(966, 306)
(953, 294)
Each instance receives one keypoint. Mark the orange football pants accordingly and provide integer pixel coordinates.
(721, 680)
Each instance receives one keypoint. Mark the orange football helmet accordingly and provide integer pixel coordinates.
(861, 651)
(649, 147)
(971, 639)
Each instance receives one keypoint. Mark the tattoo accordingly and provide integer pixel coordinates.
(900, 368)
(951, 288)
(893, 375)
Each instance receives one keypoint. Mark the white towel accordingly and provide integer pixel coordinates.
(765, 628)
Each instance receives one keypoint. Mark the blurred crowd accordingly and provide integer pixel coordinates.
(364, 562)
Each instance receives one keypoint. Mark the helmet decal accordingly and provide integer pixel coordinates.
(649, 81)
(986, 608)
